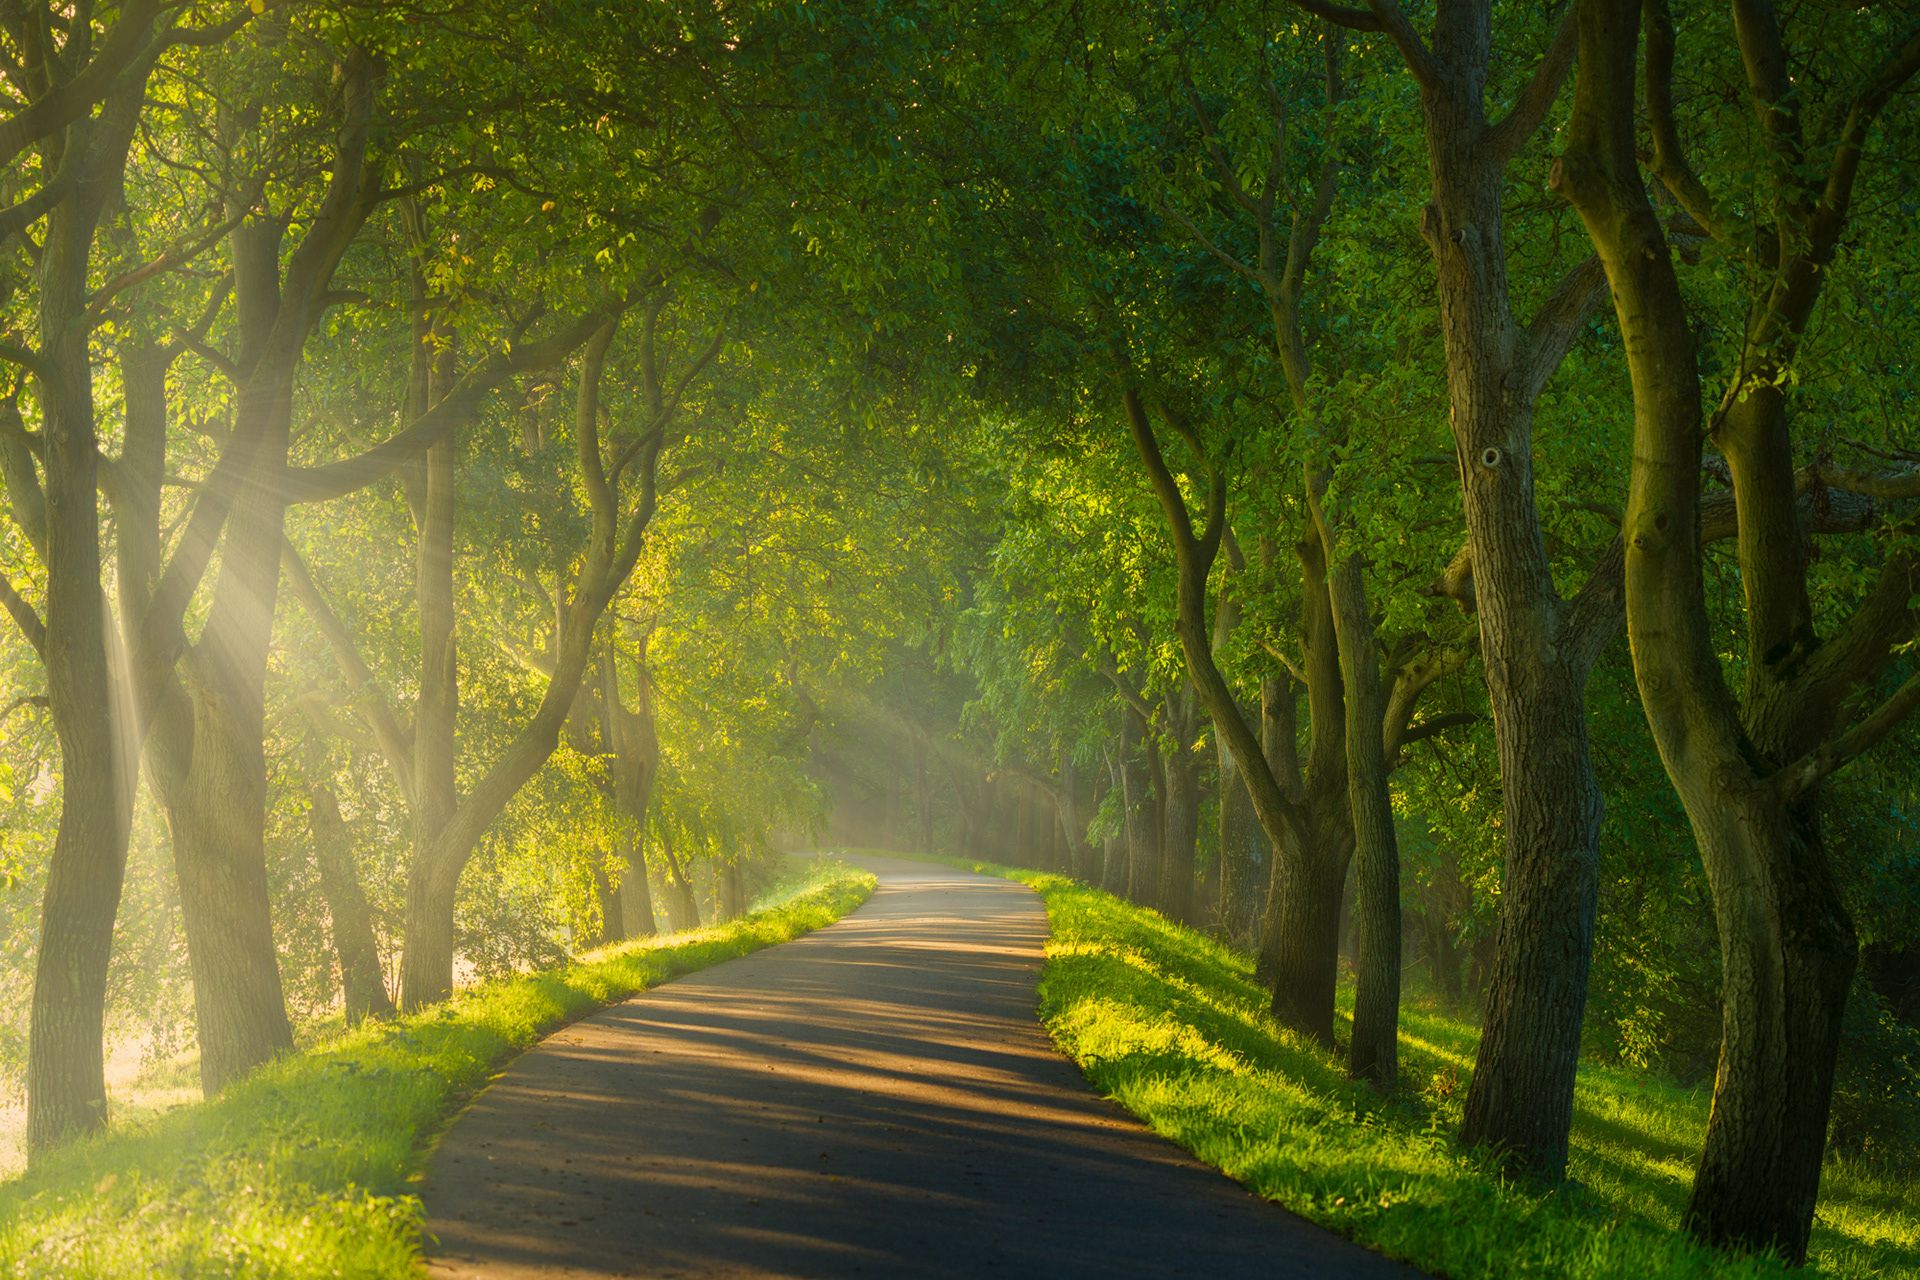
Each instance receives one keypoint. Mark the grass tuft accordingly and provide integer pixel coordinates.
(306, 1168)
(1172, 1025)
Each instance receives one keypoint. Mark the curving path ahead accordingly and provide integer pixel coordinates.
(875, 1099)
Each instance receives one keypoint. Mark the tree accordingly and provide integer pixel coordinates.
(1748, 767)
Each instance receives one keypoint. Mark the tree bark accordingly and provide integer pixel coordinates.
(362, 979)
(66, 1082)
(1521, 1097)
(1787, 946)
(1181, 766)
(1301, 937)
(1374, 1052)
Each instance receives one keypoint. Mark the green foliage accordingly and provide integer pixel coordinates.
(306, 1168)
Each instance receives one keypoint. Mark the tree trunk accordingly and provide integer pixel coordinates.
(609, 926)
(1243, 855)
(1787, 953)
(683, 905)
(362, 980)
(1146, 825)
(1182, 818)
(1300, 947)
(1787, 947)
(636, 896)
(1374, 1052)
(66, 1082)
(220, 859)
(731, 891)
(1521, 1097)
(426, 961)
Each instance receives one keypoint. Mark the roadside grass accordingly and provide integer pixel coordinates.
(307, 1168)
(1171, 1025)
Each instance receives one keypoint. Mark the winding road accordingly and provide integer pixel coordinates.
(875, 1099)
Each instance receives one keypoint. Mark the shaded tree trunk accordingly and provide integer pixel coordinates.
(362, 980)
(1748, 772)
(1532, 643)
(1181, 768)
(1374, 1051)
(1300, 946)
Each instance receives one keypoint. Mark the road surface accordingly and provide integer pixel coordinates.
(875, 1099)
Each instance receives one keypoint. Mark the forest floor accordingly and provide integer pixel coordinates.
(309, 1167)
(1171, 1024)
(876, 1099)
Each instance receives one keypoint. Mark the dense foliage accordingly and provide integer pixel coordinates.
(480, 478)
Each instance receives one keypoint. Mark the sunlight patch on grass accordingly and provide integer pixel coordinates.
(1170, 1024)
(306, 1168)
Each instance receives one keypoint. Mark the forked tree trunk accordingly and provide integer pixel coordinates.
(212, 772)
(1787, 947)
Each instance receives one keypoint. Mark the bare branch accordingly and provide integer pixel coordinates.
(23, 615)
(1669, 161)
(1811, 769)
(1559, 322)
(365, 690)
(1523, 120)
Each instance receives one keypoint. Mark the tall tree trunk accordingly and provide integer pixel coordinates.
(362, 980)
(1374, 1052)
(1520, 1100)
(1750, 783)
(213, 781)
(1301, 937)
(66, 1082)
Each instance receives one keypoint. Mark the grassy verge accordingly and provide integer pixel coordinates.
(306, 1168)
(1171, 1025)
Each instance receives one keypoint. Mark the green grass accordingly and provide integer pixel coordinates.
(307, 1168)
(1171, 1025)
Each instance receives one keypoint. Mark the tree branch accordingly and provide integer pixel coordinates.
(361, 685)
(1809, 770)
(23, 616)
(1523, 120)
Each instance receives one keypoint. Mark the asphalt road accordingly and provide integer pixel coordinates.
(875, 1099)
